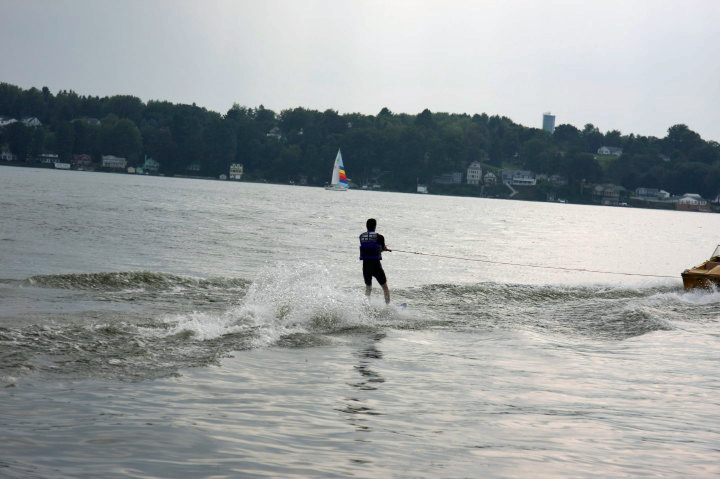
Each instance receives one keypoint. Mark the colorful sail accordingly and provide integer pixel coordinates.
(342, 179)
(339, 181)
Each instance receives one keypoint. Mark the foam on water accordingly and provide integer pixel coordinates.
(695, 296)
(289, 300)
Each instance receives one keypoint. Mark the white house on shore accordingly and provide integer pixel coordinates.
(31, 121)
(7, 155)
(474, 173)
(610, 150)
(115, 162)
(236, 171)
(651, 194)
(692, 202)
(518, 178)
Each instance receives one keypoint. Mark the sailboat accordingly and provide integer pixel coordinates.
(338, 182)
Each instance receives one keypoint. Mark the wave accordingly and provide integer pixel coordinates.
(148, 280)
(289, 306)
(303, 306)
(599, 313)
(299, 301)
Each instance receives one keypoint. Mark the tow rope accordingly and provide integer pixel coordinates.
(533, 265)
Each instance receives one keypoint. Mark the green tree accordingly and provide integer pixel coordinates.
(613, 138)
(121, 137)
(592, 138)
(11, 102)
(333, 123)
(36, 103)
(19, 138)
(689, 177)
(158, 144)
(567, 136)
(583, 166)
(220, 142)
(682, 139)
(126, 106)
(65, 140)
(86, 138)
(65, 108)
(425, 119)
(537, 154)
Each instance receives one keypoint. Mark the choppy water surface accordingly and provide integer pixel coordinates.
(171, 328)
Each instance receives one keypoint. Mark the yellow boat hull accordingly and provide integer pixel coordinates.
(704, 276)
(700, 281)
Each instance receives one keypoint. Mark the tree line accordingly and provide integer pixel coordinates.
(393, 149)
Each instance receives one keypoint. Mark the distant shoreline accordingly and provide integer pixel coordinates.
(636, 204)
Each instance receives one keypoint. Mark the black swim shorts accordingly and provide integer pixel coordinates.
(373, 268)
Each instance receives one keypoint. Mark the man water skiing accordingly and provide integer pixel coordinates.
(372, 245)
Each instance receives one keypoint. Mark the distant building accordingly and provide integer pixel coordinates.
(610, 150)
(651, 194)
(48, 158)
(506, 175)
(518, 178)
(490, 178)
(692, 202)
(31, 121)
(7, 155)
(548, 122)
(524, 178)
(82, 160)
(555, 180)
(474, 173)
(558, 180)
(6, 121)
(454, 178)
(236, 171)
(275, 133)
(150, 165)
(114, 162)
(62, 165)
(609, 195)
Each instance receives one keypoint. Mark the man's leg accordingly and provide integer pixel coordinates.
(367, 277)
(382, 279)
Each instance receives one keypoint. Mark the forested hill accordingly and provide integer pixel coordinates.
(395, 149)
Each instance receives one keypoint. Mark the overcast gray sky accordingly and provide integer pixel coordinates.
(638, 66)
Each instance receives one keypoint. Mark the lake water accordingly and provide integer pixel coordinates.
(174, 328)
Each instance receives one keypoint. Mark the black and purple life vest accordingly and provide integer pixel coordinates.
(370, 247)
